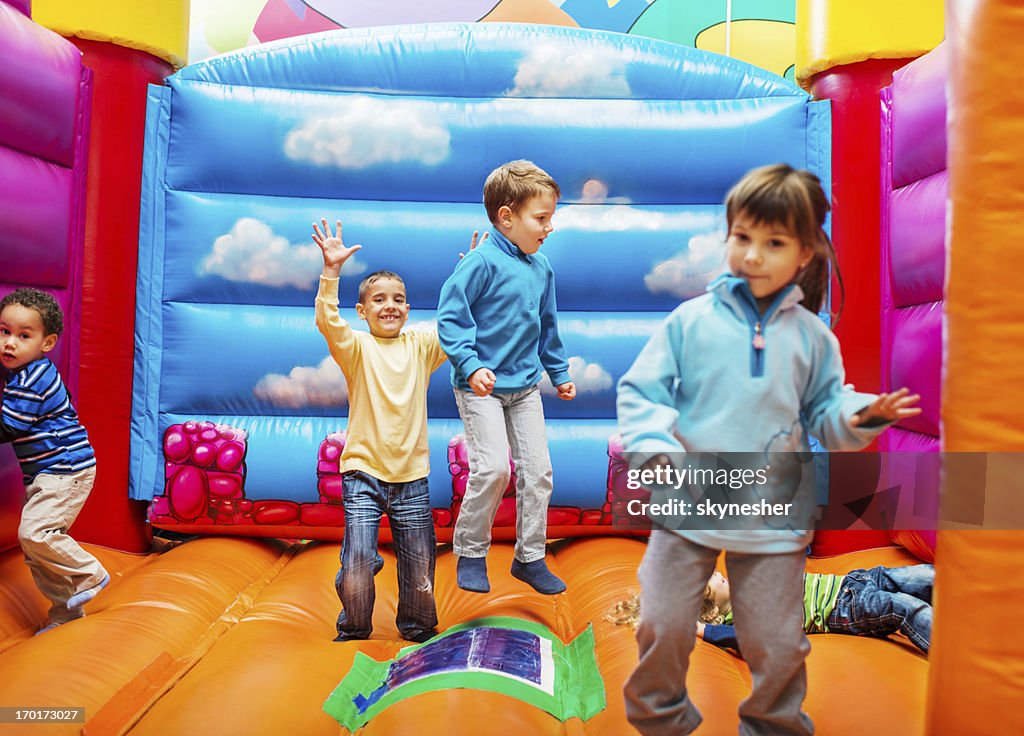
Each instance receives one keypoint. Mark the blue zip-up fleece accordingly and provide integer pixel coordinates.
(497, 311)
(702, 384)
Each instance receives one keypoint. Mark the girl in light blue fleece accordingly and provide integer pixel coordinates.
(746, 368)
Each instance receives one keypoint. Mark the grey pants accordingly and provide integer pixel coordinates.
(494, 424)
(767, 601)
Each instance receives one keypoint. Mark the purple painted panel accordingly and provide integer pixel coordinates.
(917, 236)
(919, 118)
(36, 216)
(916, 361)
(39, 84)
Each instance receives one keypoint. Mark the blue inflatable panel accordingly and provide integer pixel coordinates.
(393, 130)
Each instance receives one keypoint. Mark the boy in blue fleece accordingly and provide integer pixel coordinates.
(498, 324)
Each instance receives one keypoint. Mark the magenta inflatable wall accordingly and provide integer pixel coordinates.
(914, 185)
(44, 94)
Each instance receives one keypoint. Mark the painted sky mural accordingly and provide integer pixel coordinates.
(760, 32)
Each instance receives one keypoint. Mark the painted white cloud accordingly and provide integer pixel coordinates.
(253, 253)
(364, 131)
(321, 385)
(590, 378)
(688, 272)
(620, 217)
(551, 70)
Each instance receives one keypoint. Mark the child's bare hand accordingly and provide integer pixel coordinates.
(567, 391)
(474, 242)
(482, 381)
(700, 629)
(888, 408)
(333, 248)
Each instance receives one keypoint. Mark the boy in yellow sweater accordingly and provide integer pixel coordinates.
(386, 460)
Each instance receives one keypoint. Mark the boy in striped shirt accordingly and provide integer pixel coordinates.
(57, 461)
(874, 602)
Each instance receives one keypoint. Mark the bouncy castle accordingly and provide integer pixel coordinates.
(168, 205)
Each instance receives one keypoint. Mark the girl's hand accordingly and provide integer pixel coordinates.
(887, 408)
(334, 250)
(700, 629)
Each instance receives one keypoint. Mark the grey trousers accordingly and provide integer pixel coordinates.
(494, 424)
(767, 601)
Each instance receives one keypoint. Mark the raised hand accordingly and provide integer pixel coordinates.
(333, 248)
(474, 243)
(888, 408)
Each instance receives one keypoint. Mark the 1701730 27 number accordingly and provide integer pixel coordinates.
(42, 715)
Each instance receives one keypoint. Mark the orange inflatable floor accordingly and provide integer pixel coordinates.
(234, 636)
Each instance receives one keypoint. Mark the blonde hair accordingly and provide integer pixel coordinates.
(794, 198)
(711, 612)
(514, 184)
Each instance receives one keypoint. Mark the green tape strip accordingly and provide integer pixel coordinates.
(577, 690)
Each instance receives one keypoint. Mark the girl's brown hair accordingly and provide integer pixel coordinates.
(794, 198)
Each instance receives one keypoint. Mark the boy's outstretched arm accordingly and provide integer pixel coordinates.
(341, 341)
(333, 248)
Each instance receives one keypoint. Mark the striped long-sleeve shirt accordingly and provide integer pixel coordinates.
(38, 419)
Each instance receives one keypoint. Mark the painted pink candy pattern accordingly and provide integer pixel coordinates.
(204, 469)
(619, 494)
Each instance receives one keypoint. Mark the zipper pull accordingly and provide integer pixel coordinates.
(758, 337)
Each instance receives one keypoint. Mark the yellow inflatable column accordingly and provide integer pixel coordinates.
(158, 27)
(977, 661)
(128, 45)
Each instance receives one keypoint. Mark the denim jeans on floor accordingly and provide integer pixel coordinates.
(412, 527)
(883, 600)
(494, 425)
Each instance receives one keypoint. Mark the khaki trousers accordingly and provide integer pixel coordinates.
(59, 565)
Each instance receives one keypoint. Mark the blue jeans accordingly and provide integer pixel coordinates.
(884, 600)
(412, 526)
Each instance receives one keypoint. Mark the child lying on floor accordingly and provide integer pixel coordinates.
(875, 602)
